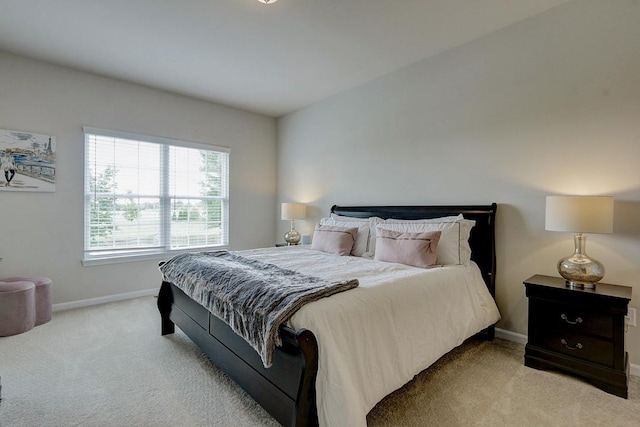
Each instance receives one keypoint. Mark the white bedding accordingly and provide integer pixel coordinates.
(375, 338)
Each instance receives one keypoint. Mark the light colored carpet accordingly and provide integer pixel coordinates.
(108, 366)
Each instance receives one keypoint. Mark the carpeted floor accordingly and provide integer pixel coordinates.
(108, 366)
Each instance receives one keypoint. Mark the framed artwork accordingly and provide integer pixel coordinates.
(27, 161)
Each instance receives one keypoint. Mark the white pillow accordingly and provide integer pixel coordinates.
(426, 220)
(374, 222)
(361, 245)
(348, 218)
(453, 247)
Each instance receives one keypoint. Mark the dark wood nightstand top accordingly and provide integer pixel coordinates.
(602, 289)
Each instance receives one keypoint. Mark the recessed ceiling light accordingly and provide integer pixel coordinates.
(267, 1)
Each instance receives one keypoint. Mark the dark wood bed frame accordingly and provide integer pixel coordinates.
(287, 389)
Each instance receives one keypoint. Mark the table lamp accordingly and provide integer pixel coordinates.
(580, 214)
(291, 212)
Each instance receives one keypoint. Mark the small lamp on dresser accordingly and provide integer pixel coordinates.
(580, 214)
(291, 212)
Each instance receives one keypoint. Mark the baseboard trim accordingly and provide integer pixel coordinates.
(511, 336)
(103, 300)
(522, 339)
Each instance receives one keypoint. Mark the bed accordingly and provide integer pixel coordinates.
(304, 363)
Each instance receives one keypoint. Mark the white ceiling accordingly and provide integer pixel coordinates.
(269, 59)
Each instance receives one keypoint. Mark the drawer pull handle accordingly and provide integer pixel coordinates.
(577, 347)
(566, 319)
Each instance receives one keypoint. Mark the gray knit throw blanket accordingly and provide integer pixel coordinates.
(254, 298)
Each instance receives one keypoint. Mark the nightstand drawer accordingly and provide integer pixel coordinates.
(580, 346)
(572, 319)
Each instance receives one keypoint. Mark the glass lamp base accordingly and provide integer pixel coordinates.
(581, 271)
(292, 237)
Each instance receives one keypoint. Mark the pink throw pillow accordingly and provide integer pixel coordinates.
(416, 249)
(334, 239)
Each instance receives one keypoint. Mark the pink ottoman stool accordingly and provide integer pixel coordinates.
(43, 296)
(17, 307)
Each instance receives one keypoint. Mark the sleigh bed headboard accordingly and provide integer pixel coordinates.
(482, 239)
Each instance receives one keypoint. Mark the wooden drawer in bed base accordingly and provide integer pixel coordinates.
(286, 389)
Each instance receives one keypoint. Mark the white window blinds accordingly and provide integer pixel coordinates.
(150, 195)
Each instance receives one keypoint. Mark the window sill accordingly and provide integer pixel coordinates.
(90, 262)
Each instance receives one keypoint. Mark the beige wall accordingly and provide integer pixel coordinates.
(550, 105)
(42, 233)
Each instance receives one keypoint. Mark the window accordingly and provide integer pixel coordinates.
(147, 195)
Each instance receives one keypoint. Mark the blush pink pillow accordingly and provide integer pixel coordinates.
(334, 239)
(416, 249)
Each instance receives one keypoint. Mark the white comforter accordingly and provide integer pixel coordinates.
(375, 338)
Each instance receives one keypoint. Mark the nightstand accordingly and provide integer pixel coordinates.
(579, 331)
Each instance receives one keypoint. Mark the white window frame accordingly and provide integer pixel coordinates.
(99, 257)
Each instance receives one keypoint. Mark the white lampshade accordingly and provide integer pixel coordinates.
(579, 214)
(292, 211)
(267, 1)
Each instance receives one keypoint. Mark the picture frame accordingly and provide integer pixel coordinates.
(27, 161)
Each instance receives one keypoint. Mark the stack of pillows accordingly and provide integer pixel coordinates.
(420, 243)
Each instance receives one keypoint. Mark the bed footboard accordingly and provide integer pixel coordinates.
(287, 390)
